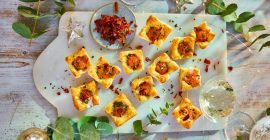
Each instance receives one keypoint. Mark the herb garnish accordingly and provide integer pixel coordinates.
(152, 119)
(30, 33)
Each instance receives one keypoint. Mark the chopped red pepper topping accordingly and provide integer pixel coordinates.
(206, 68)
(144, 89)
(207, 61)
(119, 109)
(147, 59)
(120, 81)
(80, 62)
(113, 28)
(106, 71)
(230, 68)
(86, 95)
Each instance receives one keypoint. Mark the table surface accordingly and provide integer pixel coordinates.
(21, 106)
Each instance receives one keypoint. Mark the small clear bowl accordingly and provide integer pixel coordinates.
(108, 9)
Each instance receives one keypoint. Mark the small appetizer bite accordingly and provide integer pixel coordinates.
(182, 47)
(162, 67)
(155, 31)
(120, 109)
(186, 113)
(203, 34)
(143, 88)
(79, 62)
(132, 61)
(189, 78)
(103, 72)
(85, 96)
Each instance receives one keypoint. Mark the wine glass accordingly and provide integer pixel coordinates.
(218, 102)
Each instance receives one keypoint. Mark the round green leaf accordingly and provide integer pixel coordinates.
(229, 9)
(22, 30)
(104, 129)
(101, 119)
(88, 132)
(215, 7)
(256, 28)
(86, 119)
(137, 126)
(245, 16)
(63, 129)
(27, 12)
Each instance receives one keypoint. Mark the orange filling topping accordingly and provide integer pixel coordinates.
(162, 67)
(154, 33)
(192, 78)
(133, 61)
(144, 89)
(80, 62)
(106, 71)
(201, 34)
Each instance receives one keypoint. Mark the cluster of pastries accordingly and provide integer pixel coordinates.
(121, 109)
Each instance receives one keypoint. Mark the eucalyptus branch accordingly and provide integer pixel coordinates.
(35, 23)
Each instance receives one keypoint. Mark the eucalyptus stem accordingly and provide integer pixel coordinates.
(35, 24)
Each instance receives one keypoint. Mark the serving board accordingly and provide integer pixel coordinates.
(50, 71)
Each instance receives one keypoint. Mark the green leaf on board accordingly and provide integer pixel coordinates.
(256, 28)
(230, 18)
(63, 129)
(22, 30)
(262, 36)
(29, 0)
(104, 129)
(215, 7)
(27, 12)
(245, 16)
(266, 44)
(86, 119)
(229, 9)
(138, 129)
(101, 119)
(88, 132)
(268, 111)
(238, 27)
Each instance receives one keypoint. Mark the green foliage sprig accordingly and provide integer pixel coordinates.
(228, 13)
(28, 31)
(88, 127)
(152, 119)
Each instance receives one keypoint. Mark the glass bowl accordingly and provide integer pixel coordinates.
(108, 9)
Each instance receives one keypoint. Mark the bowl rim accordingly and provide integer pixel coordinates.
(102, 45)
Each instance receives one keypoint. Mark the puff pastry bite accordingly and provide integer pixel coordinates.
(203, 34)
(120, 109)
(189, 78)
(79, 62)
(162, 67)
(85, 96)
(132, 61)
(103, 72)
(155, 31)
(182, 47)
(144, 88)
(186, 113)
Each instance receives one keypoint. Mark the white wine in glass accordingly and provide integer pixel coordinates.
(217, 99)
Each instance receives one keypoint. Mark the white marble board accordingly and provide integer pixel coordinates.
(50, 67)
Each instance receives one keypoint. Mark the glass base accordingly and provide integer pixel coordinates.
(240, 124)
